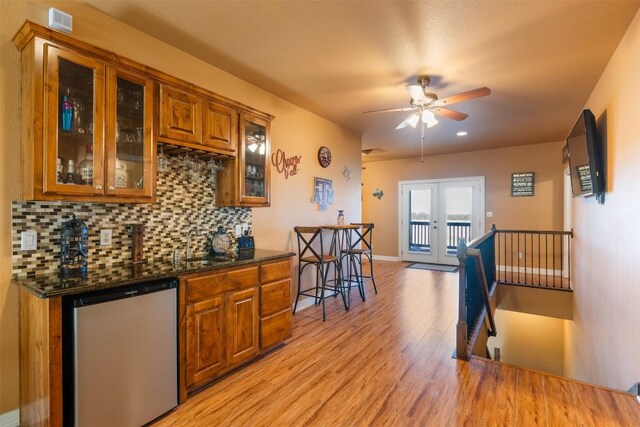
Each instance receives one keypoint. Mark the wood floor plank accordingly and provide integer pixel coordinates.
(387, 362)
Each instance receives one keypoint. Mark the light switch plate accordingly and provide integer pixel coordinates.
(106, 237)
(29, 240)
(489, 214)
(238, 230)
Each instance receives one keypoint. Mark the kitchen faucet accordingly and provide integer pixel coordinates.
(198, 232)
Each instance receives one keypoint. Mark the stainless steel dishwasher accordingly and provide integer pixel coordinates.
(123, 355)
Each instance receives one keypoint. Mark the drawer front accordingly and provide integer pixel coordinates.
(275, 329)
(207, 285)
(276, 271)
(275, 297)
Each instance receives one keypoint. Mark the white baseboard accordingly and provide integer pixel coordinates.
(302, 304)
(10, 419)
(534, 270)
(386, 258)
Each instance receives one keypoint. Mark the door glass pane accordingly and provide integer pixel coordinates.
(420, 221)
(75, 124)
(254, 155)
(458, 216)
(129, 134)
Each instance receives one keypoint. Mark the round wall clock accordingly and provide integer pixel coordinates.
(324, 156)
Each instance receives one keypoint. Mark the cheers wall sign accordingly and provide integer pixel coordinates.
(285, 165)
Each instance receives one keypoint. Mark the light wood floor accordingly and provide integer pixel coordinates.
(387, 362)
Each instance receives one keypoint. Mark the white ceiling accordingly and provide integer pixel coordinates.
(339, 58)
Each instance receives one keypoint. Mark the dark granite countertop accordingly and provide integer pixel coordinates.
(127, 274)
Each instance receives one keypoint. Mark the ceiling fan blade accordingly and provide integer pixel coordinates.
(412, 120)
(417, 93)
(449, 114)
(464, 96)
(389, 110)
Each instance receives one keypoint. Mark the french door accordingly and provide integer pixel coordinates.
(435, 214)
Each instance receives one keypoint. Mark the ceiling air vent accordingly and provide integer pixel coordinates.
(58, 20)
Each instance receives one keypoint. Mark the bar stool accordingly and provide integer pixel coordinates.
(363, 245)
(341, 244)
(322, 261)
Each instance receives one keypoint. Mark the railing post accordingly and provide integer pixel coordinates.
(461, 328)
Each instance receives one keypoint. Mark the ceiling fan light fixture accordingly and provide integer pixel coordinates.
(413, 120)
(253, 147)
(429, 118)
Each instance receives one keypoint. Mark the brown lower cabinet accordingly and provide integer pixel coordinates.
(226, 318)
(230, 317)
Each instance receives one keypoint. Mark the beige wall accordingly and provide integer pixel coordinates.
(294, 130)
(604, 338)
(541, 212)
(529, 341)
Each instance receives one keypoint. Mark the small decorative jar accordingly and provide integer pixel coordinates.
(121, 174)
(74, 247)
(340, 217)
(219, 242)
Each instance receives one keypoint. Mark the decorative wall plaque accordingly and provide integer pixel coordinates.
(322, 193)
(522, 184)
(324, 156)
(285, 165)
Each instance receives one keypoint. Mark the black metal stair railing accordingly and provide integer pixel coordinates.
(534, 258)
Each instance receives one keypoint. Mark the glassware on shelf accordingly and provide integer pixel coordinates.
(121, 174)
(70, 177)
(163, 161)
(67, 112)
(85, 167)
(78, 109)
(213, 167)
(59, 168)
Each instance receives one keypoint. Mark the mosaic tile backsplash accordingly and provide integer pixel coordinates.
(182, 204)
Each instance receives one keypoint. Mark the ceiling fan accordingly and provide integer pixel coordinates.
(425, 106)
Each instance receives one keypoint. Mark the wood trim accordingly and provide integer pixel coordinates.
(182, 342)
(31, 29)
(40, 360)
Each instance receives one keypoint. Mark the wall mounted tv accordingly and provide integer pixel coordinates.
(585, 157)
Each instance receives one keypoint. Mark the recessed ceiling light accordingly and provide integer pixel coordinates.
(462, 133)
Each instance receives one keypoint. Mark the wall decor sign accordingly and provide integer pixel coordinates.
(346, 172)
(322, 193)
(584, 177)
(285, 165)
(522, 184)
(324, 156)
(378, 193)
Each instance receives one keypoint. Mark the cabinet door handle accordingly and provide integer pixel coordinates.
(111, 188)
(98, 187)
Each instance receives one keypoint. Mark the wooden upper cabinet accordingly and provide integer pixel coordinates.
(180, 115)
(254, 169)
(130, 154)
(73, 146)
(220, 127)
(74, 107)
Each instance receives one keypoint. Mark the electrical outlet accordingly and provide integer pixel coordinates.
(489, 214)
(238, 230)
(29, 240)
(106, 237)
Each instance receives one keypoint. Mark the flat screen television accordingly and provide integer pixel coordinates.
(585, 157)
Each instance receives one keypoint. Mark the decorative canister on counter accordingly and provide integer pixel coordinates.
(74, 247)
(219, 242)
(340, 217)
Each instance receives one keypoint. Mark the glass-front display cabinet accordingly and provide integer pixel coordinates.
(130, 151)
(74, 142)
(98, 136)
(254, 170)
